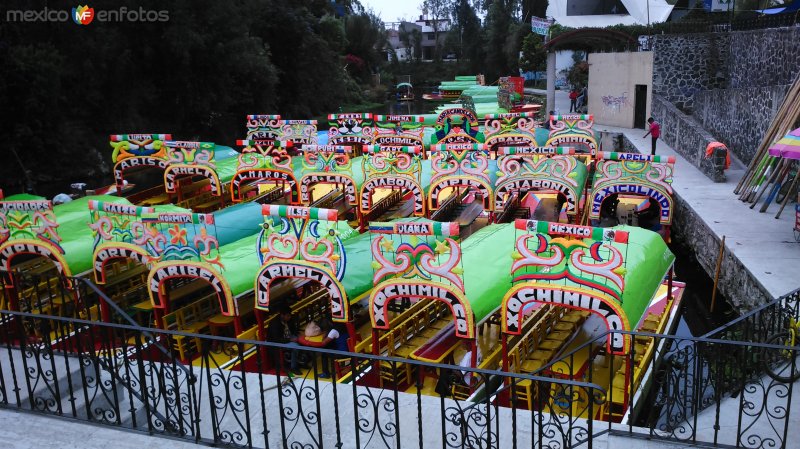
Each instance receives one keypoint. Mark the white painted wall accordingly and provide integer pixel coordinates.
(612, 83)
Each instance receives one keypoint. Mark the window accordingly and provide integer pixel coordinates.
(595, 7)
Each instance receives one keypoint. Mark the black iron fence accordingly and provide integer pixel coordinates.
(761, 323)
(731, 388)
(240, 393)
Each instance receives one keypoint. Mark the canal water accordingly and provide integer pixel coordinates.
(418, 106)
(697, 318)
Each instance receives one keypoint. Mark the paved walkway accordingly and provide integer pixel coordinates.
(24, 431)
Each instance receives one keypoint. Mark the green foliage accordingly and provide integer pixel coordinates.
(578, 74)
(365, 36)
(534, 56)
(513, 45)
(332, 31)
(65, 88)
(499, 19)
(466, 36)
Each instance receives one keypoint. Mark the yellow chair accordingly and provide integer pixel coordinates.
(523, 389)
(551, 344)
(565, 326)
(532, 365)
(180, 343)
(542, 354)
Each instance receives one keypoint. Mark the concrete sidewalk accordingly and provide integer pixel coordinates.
(27, 431)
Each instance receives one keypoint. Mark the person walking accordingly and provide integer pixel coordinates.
(654, 132)
(573, 98)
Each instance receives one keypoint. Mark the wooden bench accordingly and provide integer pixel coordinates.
(436, 349)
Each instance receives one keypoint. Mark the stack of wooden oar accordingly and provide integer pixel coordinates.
(774, 176)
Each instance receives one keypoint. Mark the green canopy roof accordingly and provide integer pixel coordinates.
(76, 235)
(487, 268)
(226, 168)
(648, 260)
(24, 197)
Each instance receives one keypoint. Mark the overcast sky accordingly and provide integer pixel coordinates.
(391, 10)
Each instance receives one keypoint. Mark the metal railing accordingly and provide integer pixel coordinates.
(709, 390)
(74, 371)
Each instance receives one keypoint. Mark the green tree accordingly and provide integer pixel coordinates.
(533, 8)
(578, 74)
(436, 11)
(65, 88)
(366, 39)
(466, 35)
(534, 56)
(513, 45)
(332, 30)
(500, 18)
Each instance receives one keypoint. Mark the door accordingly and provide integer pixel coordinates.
(640, 106)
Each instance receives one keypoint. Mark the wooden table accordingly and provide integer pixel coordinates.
(219, 321)
(154, 200)
(575, 366)
(314, 342)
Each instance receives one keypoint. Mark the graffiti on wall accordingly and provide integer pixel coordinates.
(613, 104)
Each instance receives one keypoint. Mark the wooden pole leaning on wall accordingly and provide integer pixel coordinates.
(785, 118)
(788, 196)
(716, 275)
(759, 191)
(779, 182)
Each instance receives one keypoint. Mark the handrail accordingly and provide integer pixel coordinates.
(133, 322)
(756, 311)
(511, 207)
(331, 352)
(328, 199)
(447, 207)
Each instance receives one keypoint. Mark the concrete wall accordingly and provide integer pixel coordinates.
(612, 83)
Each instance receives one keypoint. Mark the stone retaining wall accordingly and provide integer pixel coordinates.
(687, 137)
(739, 117)
(736, 282)
(732, 82)
(761, 58)
(684, 64)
